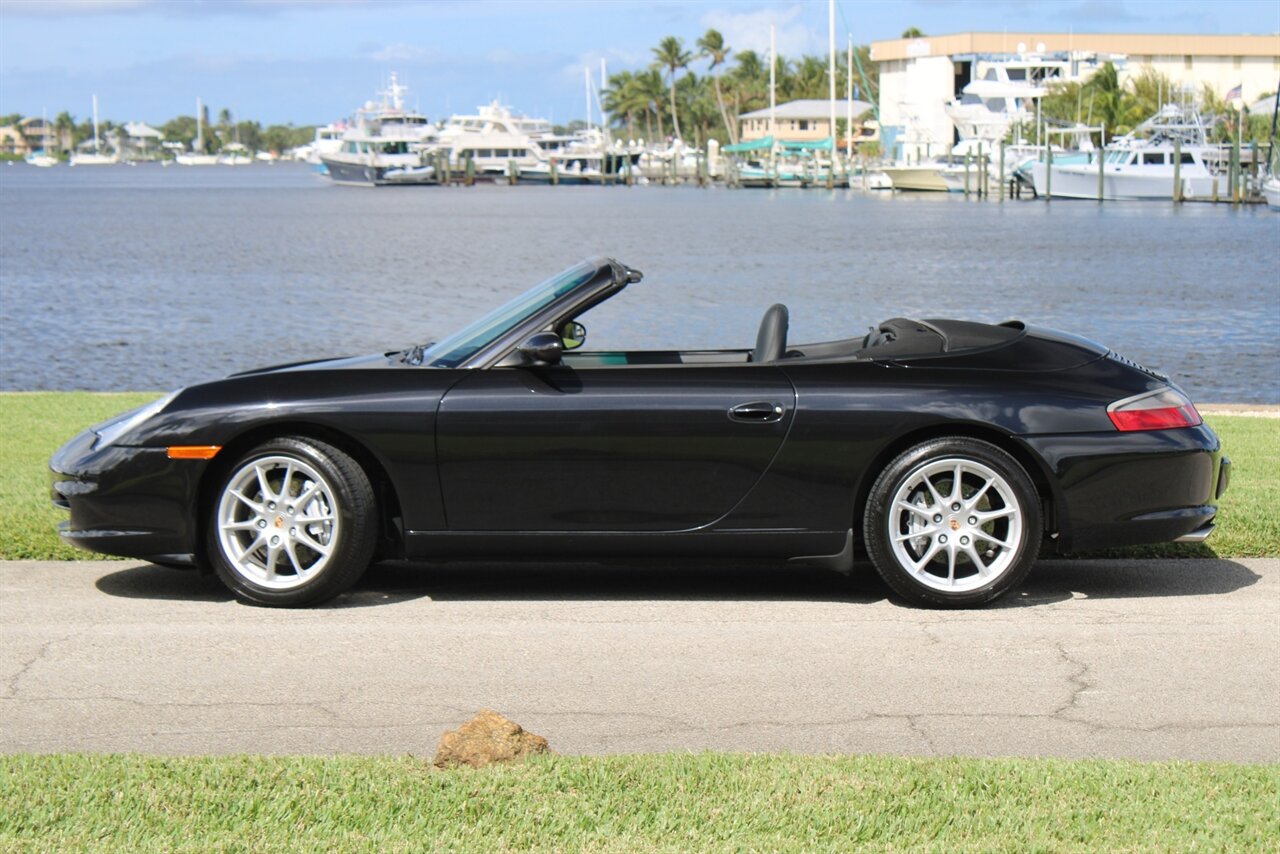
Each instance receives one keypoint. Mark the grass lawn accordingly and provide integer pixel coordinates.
(34, 424)
(662, 802)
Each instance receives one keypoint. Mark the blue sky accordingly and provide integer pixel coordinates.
(312, 61)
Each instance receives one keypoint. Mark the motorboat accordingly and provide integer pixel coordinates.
(1141, 165)
(958, 171)
(491, 139)
(388, 144)
(235, 154)
(1004, 95)
(1271, 192)
(41, 158)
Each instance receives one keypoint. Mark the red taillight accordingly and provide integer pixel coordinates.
(1165, 409)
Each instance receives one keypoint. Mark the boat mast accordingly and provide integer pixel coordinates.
(586, 77)
(199, 128)
(831, 74)
(95, 124)
(773, 80)
(848, 105)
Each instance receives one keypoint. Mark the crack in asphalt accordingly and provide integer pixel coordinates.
(11, 689)
(1078, 680)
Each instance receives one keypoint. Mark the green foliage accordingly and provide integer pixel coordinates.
(712, 103)
(913, 33)
(639, 803)
(33, 426)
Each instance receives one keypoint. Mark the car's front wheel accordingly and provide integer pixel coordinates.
(293, 523)
(953, 522)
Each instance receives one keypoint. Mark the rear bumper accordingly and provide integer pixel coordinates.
(1121, 489)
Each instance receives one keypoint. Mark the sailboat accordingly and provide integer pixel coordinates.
(43, 158)
(96, 157)
(197, 157)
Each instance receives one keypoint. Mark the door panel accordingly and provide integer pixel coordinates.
(609, 448)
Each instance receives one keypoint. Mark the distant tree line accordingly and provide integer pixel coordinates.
(181, 129)
(1103, 98)
(670, 98)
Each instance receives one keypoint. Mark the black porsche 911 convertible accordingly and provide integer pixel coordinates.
(951, 451)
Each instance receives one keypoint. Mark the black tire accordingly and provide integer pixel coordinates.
(935, 555)
(269, 550)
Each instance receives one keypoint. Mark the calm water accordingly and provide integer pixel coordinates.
(150, 278)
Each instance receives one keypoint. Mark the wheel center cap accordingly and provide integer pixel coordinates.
(954, 524)
(279, 523)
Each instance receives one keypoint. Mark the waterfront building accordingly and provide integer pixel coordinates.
(920, 76)
(806, 120)
(13, 142)
(141, 141)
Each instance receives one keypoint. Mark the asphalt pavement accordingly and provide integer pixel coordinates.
(1139, 659)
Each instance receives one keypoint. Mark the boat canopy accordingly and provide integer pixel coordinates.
(762, 144)
(768, 143)
(808, 145)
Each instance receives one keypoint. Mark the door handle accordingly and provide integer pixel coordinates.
(757, 412)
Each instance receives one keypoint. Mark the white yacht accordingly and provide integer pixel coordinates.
(1140, 165)
(387, 145)
(491, 138)
(1004, 94)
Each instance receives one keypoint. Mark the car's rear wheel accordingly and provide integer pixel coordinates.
(293, 523)
(953, 522)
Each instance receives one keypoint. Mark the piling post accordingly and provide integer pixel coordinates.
(1102, 162)
(968, 156)
(1177, 170)
(511, 173)
(1001, 193)
(1235, 172)
(1048, 172)
(555, 173)
(982, 171)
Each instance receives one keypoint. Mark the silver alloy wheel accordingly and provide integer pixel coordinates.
(278, 522)
(955, 524)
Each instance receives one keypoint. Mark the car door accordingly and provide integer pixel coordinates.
(615, 448)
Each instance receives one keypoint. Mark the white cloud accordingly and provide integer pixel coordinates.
(750, 31)
(616, 59)
(401, 52)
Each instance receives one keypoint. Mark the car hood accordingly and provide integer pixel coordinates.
(391, 359)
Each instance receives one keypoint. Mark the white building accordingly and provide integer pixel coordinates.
(919, 76)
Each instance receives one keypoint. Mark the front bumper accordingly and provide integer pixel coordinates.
(1122, 489)
(124, 501)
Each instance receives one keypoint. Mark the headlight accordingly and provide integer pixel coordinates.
(108, 432)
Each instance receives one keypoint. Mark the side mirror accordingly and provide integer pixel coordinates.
(542, 348)
(573, 334)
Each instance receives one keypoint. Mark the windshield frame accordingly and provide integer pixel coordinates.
(469, 345)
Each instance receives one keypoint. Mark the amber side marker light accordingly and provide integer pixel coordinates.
(193, 452)
(1163, 409)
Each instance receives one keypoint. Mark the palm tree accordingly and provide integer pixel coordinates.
(65, 124)
(912, 33)
(625, 97)
(1110, 100)
(671, 55)
(712, 46)
(650, 89)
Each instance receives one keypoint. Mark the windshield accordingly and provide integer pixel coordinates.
(460, 346)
